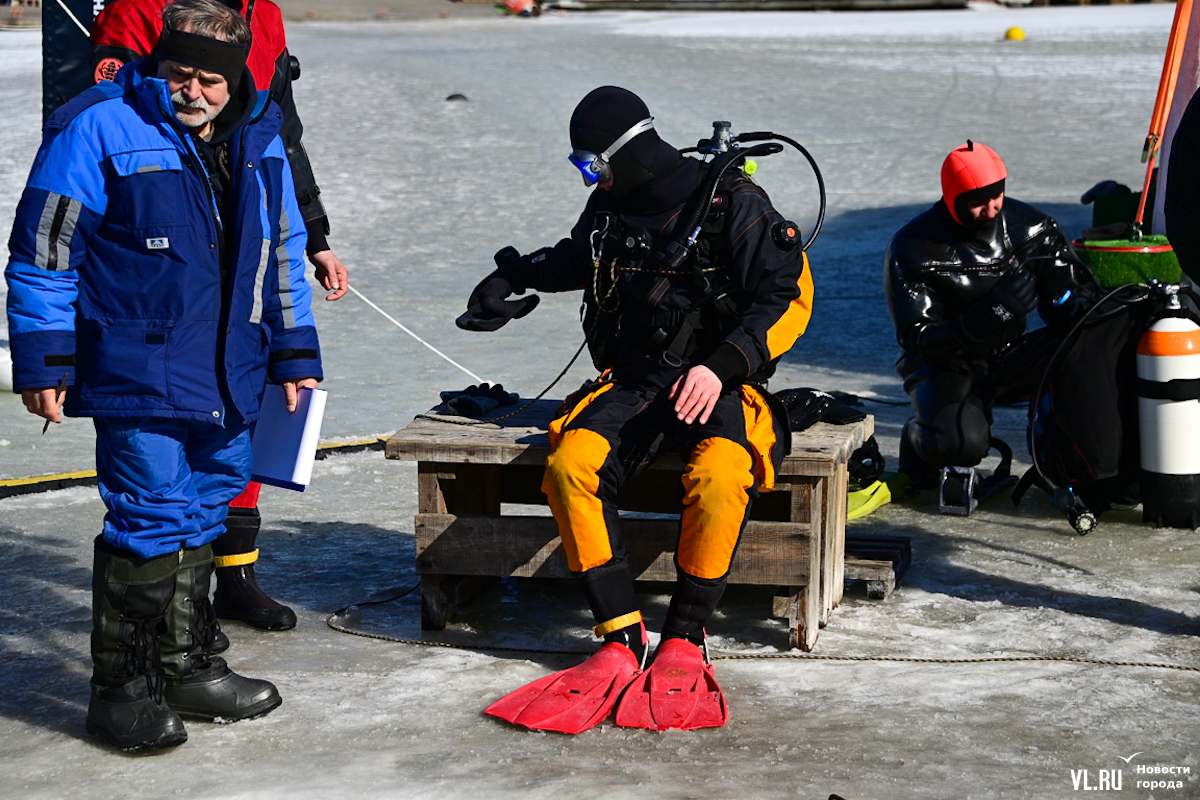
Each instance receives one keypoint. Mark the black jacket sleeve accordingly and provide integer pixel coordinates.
(774, 283)
(567, 266)
(307, 192)
(922, 327)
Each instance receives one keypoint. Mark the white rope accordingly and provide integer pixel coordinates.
(413, 335)
(75, 19)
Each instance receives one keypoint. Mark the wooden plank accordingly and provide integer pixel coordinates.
(790, 602)
(458, 488)
(878, 560)
(804, 508)
(784, 601)
(824, 494)
(840, 508)
(866, 569)
(802, 634)
(771, 553)
(430, 499)
(897, 549)
(522, 440)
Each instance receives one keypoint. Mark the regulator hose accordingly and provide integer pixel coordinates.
(765, 136)
(758, 136)
(677, 250)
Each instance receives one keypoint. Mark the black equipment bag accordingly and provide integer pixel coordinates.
(1085, 432)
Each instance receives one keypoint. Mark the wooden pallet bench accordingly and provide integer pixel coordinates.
(795, 539)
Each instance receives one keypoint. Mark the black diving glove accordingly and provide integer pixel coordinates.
(1014, 295)
(1069, 294)
(489, 308)
(475, 401)
(1068, 307)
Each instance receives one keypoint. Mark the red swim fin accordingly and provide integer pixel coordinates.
(575, 699)
(677, 691)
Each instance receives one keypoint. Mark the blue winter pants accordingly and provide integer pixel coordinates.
(167, 483)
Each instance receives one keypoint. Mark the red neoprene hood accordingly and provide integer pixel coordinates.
(968, 168)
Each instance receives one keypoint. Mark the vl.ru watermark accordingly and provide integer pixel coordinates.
(1154, 777)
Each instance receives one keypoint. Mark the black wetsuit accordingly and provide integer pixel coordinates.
(936, 274)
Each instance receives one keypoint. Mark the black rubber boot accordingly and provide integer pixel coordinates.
(130, 596)
(693, 602)
(198, 684)
(921, 475)
(609, 592)
(220, 642)
(238, 595)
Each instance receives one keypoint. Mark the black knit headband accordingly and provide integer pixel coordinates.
(212, 55)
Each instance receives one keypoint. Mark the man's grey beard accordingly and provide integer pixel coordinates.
(200, 104)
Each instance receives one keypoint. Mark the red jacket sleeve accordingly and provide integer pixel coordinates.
(124, 31)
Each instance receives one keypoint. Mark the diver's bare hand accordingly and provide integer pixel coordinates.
(695, 394)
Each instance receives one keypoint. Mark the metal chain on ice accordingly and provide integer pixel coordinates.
(332, 622)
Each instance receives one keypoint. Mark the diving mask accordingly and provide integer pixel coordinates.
(595, 168)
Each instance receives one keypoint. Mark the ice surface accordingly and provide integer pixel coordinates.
(421, 192)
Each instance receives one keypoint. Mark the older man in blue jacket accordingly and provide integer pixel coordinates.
(157, 270)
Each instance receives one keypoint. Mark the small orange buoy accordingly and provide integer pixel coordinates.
(1014, 34)
(522, 8)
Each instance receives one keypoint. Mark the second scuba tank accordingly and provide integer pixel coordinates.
(1168, 370)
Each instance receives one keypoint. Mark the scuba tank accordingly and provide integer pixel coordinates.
(1168, 370)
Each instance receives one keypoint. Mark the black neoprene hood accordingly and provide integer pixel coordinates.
(601, 118)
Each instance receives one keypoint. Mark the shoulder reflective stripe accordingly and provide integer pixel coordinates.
(260, 278)
(284, 266)
(59, 217)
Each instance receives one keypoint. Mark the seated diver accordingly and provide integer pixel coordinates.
(684, 349)
(961, 279)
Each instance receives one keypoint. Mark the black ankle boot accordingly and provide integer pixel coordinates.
(238, 594)
(609, 592)
(921, 475)
(198, 684)
(692, 603)
(130, 596)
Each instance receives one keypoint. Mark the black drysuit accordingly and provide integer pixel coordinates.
(938, 275)
(735, 307)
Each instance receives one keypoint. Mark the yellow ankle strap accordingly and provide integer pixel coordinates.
(616, 623)
(237, 560)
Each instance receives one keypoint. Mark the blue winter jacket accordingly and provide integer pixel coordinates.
(114, 271)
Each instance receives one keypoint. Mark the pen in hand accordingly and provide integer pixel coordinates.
(62, 385)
